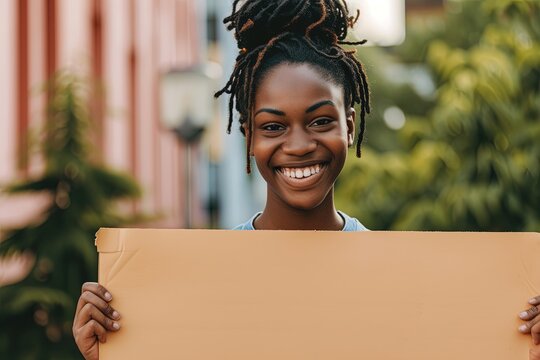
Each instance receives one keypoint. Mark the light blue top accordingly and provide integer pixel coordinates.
(351, 224)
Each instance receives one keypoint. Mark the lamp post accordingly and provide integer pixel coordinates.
(187, 106)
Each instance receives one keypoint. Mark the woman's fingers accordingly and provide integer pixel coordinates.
(94, 318)
(532, 318)
(104, 306)
(89, 311)
(93, 306)
(98, 296)
(92, 322)
(530, 313)
(96, 289)
(533, 325)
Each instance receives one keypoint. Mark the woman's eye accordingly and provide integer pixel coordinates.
(272, 127)
(321, 122)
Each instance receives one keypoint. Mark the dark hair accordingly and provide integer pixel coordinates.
(271, 32)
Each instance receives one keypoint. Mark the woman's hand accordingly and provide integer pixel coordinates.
(94, 318)
(532, 326)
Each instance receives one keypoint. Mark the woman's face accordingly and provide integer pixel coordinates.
(300, 135)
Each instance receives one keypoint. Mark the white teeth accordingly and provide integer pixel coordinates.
(299, 173)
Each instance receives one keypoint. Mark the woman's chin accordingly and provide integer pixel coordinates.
(303, 202)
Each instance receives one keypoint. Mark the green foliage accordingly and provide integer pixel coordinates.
(36, 314)
(472, 162)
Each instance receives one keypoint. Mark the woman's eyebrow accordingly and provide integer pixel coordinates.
(308, 110)
(319, 104)
(271, 111)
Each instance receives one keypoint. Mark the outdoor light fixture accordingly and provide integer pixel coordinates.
(187, 105)
(187, 101)
(381, 22)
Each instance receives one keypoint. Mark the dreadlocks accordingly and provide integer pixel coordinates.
(291, 31)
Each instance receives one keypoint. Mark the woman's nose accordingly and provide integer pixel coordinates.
(299, 142)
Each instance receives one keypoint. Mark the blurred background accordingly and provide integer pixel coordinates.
(108, 119)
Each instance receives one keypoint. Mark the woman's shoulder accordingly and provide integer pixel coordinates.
(248, 225)
(351, 223)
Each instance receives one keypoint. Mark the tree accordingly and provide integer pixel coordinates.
(472, 162)
(36, 314)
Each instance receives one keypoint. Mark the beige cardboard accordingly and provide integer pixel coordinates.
(203, 294)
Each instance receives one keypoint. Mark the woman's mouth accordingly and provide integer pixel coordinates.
(302, 176)
(301, 172)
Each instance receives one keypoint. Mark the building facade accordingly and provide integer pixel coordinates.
(123, 45)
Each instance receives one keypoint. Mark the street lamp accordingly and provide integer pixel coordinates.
(187, 106)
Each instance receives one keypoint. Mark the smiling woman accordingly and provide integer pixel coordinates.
(295, 87)
(301, 133)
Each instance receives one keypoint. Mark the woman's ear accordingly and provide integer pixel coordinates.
(243, 125)
(351, 116)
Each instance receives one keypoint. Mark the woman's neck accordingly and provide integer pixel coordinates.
(278, 215)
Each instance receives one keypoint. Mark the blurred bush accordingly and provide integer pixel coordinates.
(36, 313)
(471, 160)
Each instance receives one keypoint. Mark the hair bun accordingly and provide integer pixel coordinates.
(256, 22)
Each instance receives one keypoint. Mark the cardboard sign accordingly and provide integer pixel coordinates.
(209, 294)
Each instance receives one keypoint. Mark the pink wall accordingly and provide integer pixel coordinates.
(7, 86)
(139, 39)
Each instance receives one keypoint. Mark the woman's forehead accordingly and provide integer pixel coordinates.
(298, 82)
